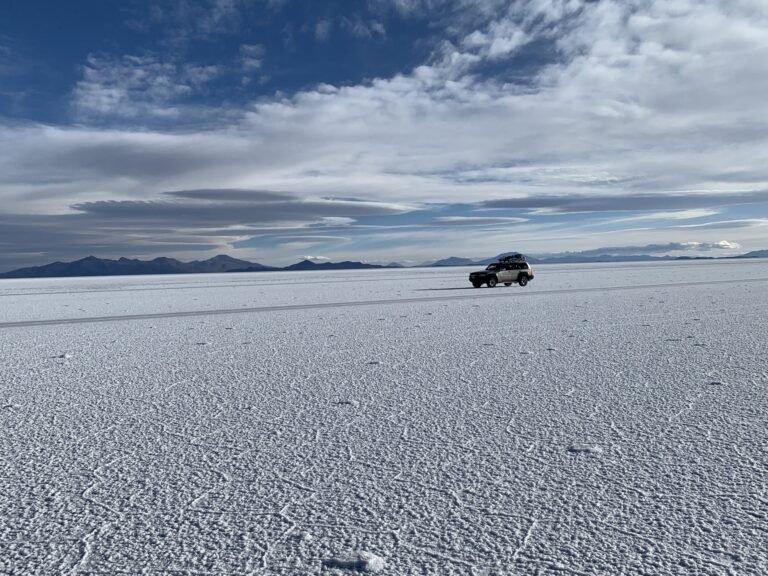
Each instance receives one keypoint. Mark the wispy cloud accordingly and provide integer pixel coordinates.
(137, 86)
(210, 210)
(363, 29)
(657, 249)
(252, 56)
(323, 29)
(5, 56)
(730, 224)
(475, 220)
(675, 215)
(310, 239)
(186, 19)
(690, 204)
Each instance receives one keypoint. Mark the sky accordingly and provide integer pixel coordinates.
(381, 130)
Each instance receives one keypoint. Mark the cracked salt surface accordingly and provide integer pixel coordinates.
(274, 449)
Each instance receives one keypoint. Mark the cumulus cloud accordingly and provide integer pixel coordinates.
(604, 114)
(501, 38)
(725, 245)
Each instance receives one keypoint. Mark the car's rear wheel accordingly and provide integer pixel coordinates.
(523, 280)
(492, 282)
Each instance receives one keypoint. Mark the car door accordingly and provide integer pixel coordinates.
(505, 274)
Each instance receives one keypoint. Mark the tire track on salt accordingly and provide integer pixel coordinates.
(497, 293)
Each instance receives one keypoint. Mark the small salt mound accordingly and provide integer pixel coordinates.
(303, 537)
(584, 449)
(357, 561)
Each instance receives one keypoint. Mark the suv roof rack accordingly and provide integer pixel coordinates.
(512, 258)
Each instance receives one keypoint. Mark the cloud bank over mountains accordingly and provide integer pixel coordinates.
(534, 126)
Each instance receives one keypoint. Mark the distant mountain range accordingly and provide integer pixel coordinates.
(591, 258)
(92, 266)
(456, 261)
(453, 261)
(754, 254)
(346, 265)
(311, 266)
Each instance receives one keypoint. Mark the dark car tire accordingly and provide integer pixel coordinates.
(507, 283)
(477, 284)
(523, 280)
(492, 282)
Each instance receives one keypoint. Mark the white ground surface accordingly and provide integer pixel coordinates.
(603, 421)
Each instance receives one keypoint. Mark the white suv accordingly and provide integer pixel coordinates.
(507, 271)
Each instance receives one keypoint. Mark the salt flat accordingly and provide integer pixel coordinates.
(602, 420)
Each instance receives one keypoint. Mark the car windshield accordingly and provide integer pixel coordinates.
(493, 267)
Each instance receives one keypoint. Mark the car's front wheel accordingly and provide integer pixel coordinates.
(523, 280)
(477, 284)
(492, 282)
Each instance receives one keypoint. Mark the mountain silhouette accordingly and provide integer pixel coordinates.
(92, 266)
